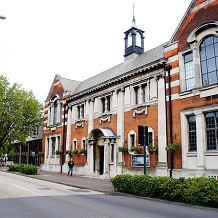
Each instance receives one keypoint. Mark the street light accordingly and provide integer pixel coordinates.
(2, 17)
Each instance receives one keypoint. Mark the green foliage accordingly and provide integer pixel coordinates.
(123, 149)
(197, 191)
(23, 168)
(83, 151)
(136, 149)
(67, 152)
(152, 149)
(172, 147)
(1, 152)
(74, 152)
(57, 152)
(11, 155)
(20, 112)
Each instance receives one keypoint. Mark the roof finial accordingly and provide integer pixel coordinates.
(133, 17)
(133, 10)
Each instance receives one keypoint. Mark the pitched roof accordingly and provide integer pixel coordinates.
(68, 84)
(141, 60)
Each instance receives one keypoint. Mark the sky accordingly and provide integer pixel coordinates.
(76, 38)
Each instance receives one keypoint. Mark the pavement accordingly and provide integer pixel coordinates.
(94, 183)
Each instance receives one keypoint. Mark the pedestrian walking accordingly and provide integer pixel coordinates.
(70, 165)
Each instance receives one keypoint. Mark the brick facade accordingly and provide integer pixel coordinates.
(103, 113)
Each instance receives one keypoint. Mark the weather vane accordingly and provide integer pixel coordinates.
(133, 10)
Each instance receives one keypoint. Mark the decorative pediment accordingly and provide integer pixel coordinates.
(137, 111)
(105, 118)
(79, 123)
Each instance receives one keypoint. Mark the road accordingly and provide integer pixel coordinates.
(22, 196)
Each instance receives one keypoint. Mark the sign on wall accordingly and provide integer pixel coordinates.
(138, 160)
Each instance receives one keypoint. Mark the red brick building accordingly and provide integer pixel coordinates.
(172, 89)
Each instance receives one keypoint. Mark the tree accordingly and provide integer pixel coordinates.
(20, 112)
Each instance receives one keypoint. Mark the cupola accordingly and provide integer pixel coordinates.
(134, 40)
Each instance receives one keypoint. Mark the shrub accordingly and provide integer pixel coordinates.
(23, 168)
(197, 191)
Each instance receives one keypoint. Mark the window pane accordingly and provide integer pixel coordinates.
(136, 95)
(209, 60)
(210, 123)
(189, 73)
(211, 140)
(203, 54)
(217, 119)
(205, 80)
(188, 57)
(211, 130)
(216, 49)
(209, 41)
(211, 65)
(210, 51)
(132, 140)
(192, 133)
(212, 78)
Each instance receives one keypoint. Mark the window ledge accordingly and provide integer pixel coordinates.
(192, 154)
(211, 153)
(204, 91)
(208, 91)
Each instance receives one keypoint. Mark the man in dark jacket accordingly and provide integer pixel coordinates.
(70, 165)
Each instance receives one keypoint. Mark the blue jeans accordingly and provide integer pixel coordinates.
(70, 171)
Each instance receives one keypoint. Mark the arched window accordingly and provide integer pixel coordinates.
(138, 39)
(54, 112)
(129, 40)
(209, 60)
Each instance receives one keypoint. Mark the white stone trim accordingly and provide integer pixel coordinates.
(203, 4)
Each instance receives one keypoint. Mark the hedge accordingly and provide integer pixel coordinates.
(23, 168)
(196, 191)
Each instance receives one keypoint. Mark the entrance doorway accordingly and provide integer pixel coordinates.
(101, 158)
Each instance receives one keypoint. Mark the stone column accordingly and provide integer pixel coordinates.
(51, 122)
(196, 61)
(68, 138)
(59, 114)
(106, 162)
(91, 112)
(120, 129)
(162, 132)
(90, 156)
(200, 132)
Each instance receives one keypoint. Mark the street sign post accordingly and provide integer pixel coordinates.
(143, 141)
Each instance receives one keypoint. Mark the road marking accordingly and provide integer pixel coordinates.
(26, 189)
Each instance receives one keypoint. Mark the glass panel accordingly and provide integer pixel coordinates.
(203, 67)
(212, 78)
(188, 57)
(205, 80)
(216, 49)
(211, 140)
(209, 41)
(136, 95)
(210, 120)
(217, 119)
(210, 51)
(192, 133)
(211, 65)
(203, 54)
